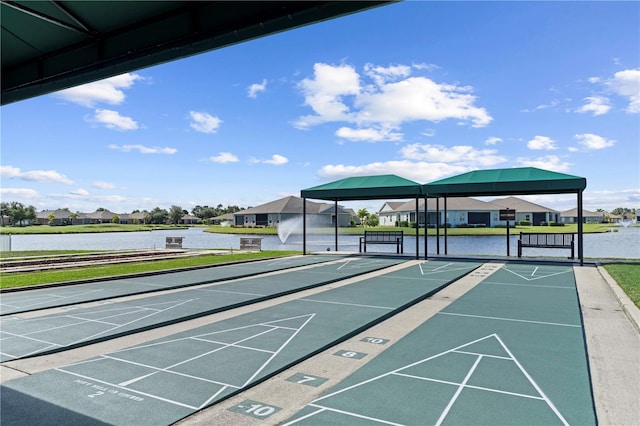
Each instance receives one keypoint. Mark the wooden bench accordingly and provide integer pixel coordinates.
(251, 244)
(382, 237)
(563, 241)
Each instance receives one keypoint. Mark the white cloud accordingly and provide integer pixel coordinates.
(224, 157)
(325, 91)
(256, 88)
(597, 105)
(461, 155)
(368, 135)
(204, 122)
(627, 83)
(417, 171)
(541, 142)
(113, 120)
(51, 176)
(381, 75)
(275, 160)
(109, 91)
(23, 193)
(80, 192)
(591, 141)
(492, 140)
(336, 94)
(143, 149)
(103, 185)
(548, 162)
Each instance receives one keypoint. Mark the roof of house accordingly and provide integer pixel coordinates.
(457, 203)
(520, 205)
(59, 214)
(291, 205)
(585, 213)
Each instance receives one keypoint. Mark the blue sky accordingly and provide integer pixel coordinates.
(424, 90)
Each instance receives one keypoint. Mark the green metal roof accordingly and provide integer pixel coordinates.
(364, 188)
(521, 181)
(52, 45)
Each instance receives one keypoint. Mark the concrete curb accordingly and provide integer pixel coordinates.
(630, 309)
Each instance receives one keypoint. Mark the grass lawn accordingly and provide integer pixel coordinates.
(627, 275)
(83, 229)
(9, 280)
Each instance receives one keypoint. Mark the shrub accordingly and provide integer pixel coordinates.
(524, 223)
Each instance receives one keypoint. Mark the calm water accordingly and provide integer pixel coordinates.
(622, 244)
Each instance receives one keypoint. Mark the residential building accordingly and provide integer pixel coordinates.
(274, 212)
(525, 210)
(571, 216)
(461, 211)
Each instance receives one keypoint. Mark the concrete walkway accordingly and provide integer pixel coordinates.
(612, 331)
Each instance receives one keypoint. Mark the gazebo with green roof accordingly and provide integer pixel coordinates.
(495, 182)
(514, 181)
(376, 187)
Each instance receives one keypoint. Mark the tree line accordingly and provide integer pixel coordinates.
(20, 214)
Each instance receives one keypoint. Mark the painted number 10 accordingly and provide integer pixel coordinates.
(260, 410)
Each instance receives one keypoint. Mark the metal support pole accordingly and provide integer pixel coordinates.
(426, 228)
(417, 228)
(580, 229)
(304, 226)
(445, 226)
(438, 225)
(336, 228)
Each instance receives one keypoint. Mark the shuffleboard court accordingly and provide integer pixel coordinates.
(23, 337)
(165, 380)
(510, 351)
(26, 300)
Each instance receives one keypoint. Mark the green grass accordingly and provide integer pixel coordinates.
(83, 229)
(627, 275)
(8, 280)
(37, 253)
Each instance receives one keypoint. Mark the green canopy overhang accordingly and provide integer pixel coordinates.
(364, 188)
(522, 181)
(514, 181)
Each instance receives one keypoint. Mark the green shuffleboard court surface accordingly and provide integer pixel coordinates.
(29, 299)
(22, 337)
(509, 352)
(162, 381)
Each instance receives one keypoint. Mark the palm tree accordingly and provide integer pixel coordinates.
(363, 214)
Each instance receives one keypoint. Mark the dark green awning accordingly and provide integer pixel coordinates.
(364, 188)
(520, 181)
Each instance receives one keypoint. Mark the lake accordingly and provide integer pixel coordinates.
(622, 244)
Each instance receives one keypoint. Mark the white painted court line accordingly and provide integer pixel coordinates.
(129, 390)
(526, 374)
(510, 319)
(270, 327)
(559, 287)
(553, 274)
(130, 322)
(460, 386)
(346, 304)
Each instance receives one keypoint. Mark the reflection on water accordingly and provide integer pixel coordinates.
(622, 244)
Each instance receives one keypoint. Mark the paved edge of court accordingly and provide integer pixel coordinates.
(629, 308)
(612, 338)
